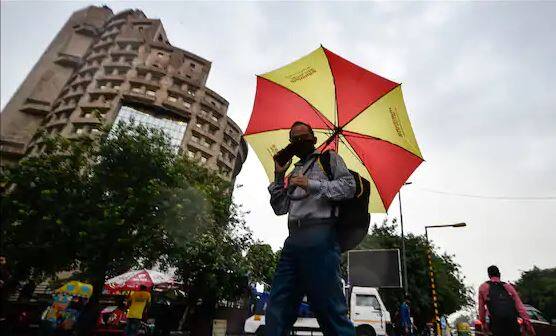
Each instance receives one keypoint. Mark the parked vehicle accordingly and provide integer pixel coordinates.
(540, 323)
(366, 311)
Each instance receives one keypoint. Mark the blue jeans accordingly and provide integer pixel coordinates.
(309, 265)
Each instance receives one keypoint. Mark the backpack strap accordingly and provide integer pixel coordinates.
(324, 162)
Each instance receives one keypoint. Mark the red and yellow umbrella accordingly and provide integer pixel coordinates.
(357, 113)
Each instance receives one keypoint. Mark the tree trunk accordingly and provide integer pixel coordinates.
(88, 318)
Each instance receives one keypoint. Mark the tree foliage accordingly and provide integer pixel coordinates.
(452, 293)
(124, 200)
(537, 287)
(262, 263)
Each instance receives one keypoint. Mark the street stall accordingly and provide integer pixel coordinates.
(68, 302)
(163, 288)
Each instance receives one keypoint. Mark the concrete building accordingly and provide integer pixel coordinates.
(101, 68)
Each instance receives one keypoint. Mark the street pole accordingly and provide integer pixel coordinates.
(431, 274)
(433, 286)
(404, 259)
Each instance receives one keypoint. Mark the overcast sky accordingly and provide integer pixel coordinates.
(478, 81)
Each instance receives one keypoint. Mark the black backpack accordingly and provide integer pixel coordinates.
(354, 217)
(500, 304)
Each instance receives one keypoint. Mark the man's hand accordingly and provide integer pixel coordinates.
(300, 181)
(281, 170)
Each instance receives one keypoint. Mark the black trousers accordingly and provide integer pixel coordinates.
(505, 328)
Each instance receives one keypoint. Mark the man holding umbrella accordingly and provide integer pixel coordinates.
(310, 261)
(360, 116)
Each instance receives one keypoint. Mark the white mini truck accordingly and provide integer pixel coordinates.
(366, 311)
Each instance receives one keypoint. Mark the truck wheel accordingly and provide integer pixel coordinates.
(365, 331)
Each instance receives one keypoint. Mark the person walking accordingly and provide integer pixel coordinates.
(405, 317)
(138, 304)
(310, 260)
(501, 303)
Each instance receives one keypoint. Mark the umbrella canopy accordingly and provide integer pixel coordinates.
(76, 288)
(132, 280)
(359, 114)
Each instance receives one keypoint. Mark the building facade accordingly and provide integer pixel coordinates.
(104, 67)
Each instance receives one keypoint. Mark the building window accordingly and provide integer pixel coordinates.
(172, 99)
(190, 154)
(192, 65)
(187, 104)
(191, 92)
(194, 138)
(150, 93)
(160, 55)
(174, 129)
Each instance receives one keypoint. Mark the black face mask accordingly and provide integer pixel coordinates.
(303, 148)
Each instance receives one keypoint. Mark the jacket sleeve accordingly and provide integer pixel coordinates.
(483, 291)
(341, 187)
(278, 196)
(518, 304)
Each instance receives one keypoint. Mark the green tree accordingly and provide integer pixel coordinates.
(537, 287)
(452, 293)
(124, 200)
(262, 263)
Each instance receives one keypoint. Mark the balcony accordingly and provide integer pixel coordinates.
(129, 40)
(111, 77)
(148, 68)
(107, 91)
(96, 105)
(207, 133)
(80, 80)
(74, 94)
(65, 108)
(228, 163)
(200, 147)
(109, 34)
(189, 80)
(140, 97)
(228, 147)
(35, 107)
(93, 120)
(97, 55)
(57, 122)
(207, 118)
(123, 52)
(12, 147)
(92, 68)
(153, 85)
(102, 44)
(116, 23)
(178, 107)
(67, 60)
(87, 30)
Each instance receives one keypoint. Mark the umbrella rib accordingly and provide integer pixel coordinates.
(348, 146)
(319, 115)
(287, 129)
(366, 107)
(336, 116)
(363, 136)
